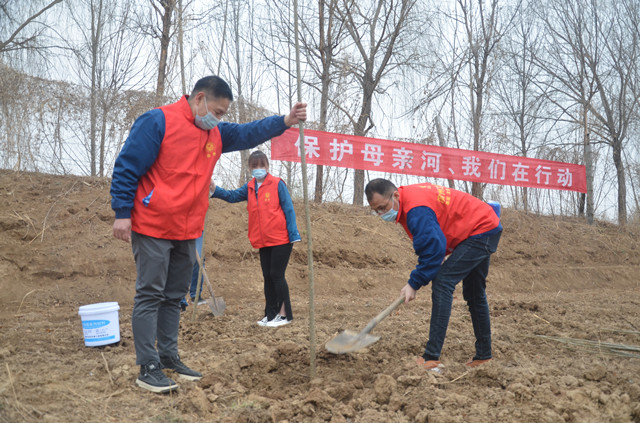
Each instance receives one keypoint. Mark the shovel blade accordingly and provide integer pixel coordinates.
(216, 306)
(349, 341)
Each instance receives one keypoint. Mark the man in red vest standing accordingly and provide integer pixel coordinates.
(442, 221)
(160, 195)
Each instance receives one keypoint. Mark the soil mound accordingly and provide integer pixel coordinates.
(564, 299)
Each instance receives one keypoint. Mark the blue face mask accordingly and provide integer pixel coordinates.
(391, 215)
(259, 174)
(208, 121)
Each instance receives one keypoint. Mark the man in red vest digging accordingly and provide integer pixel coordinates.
(442, 221)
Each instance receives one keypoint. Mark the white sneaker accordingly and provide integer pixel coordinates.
(277, 321)
(263, 322)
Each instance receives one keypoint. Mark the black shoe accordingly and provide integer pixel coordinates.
(183, 307)
(175, 364)
(152, 378)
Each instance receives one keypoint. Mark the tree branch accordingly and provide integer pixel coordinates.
(3, 45)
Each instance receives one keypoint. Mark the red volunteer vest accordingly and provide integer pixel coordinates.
(177, 184)
(460, 215)
(267, 224)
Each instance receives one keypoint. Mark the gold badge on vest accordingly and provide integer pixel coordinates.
(210, 149)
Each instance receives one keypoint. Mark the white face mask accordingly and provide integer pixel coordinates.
(208, 121)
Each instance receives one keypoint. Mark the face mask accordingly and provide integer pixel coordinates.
(208, 121)
(259, 173)
(391, 215)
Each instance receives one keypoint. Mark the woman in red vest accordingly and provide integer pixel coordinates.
(272, 229)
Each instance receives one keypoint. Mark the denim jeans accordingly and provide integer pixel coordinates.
(468, 262)
(196, 270)
(194, 274)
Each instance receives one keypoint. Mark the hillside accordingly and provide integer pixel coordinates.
(552, 279)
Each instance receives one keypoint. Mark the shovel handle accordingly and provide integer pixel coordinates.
(387, 311)
(204, 275)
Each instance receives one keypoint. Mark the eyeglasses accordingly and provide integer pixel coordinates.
(382, 209)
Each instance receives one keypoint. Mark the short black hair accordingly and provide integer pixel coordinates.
(213, 86)
(258, 158)
(381, 186)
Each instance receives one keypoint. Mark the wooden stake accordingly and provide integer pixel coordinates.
(303, 160)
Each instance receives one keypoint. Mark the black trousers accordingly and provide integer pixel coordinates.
(274, 261)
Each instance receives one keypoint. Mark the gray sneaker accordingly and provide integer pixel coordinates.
(175, 364)
(152, 379)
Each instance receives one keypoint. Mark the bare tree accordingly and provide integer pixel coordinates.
(277, 49)
(382, 41)
(165, 10)
(95, 13)
(236, 26)
(484, 31)
(109, 58)
(517, 87)
(158, 22)
(181, 55)
(244, 72)
(602, 45)
(435, 97)
(320, 45)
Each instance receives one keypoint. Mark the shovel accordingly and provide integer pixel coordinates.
(349, 341)
(216, 304)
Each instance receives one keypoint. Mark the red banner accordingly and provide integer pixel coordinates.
(351, 151)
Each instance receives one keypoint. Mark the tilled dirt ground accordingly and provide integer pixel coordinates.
(564, 299)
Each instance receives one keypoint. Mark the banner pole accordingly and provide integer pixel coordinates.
(312, 323)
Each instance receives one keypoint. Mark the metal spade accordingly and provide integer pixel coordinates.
(348, 341)
(216, 304)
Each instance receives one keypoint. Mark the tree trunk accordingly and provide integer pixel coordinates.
(324, 94)
(358, 187)
(103, 141)
(317, 193)
(165, 39)
(245, 175)
(622, 184)
(588, 164)
(96, 28)
(443, 143)
(523, 144)
(361, 130)
(181, 48)
(476, 187)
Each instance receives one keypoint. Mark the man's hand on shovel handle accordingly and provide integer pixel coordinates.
(409, 293)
